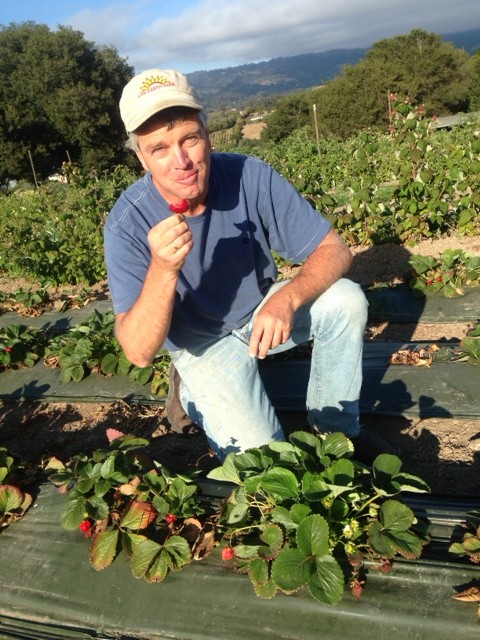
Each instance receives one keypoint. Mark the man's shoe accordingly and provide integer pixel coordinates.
(367, 446)
(178, 419)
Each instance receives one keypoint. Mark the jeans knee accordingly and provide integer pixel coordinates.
(356, 302)
(345, 303)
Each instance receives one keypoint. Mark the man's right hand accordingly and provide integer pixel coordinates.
(170, 242)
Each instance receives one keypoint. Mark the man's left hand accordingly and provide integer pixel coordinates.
(272, 326)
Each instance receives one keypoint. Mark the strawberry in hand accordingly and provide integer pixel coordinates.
(179, 207)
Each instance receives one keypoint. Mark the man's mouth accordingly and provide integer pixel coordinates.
(188, 180)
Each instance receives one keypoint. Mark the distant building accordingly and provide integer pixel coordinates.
(443, 122)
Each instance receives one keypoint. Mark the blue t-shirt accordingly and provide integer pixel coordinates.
(250, 211)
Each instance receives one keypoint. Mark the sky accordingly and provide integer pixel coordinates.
(192, 35)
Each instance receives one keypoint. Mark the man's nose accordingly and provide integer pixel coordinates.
(181, 156)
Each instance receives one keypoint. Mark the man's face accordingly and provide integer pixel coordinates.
(178, 159)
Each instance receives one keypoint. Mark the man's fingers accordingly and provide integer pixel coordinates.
(268, 333)
(171, 239)
(264, 339)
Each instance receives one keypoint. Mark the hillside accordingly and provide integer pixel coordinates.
(235, 86)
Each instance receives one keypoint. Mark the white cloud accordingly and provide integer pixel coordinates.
(218, 33)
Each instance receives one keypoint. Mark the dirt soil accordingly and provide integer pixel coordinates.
(445, 452)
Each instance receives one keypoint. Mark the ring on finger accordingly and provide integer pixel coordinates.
(175, 246)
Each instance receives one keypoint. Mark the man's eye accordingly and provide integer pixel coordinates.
(191, 141)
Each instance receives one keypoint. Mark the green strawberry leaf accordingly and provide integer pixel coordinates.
(396, 516)
(272, 535)
(103, 549)
(314, 487)
(258, 572)
(407, 544)
(327, 584)
(280, 482)
(306, 442)
(10, 498)
(158, 569)
(471, 543)
(312, 536)
(138, 515)
(267, 590)
(228, 472)
(379, 542)
(73, 511)
(337, 445)
(143, 553)
(339, 476)
(178, 551)
(291, 569)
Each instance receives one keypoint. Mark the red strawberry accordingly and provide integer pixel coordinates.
(227, 553)
(170, 518)
(86, 528)
(179, 207)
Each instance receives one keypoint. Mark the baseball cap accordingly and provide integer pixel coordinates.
(154, 90)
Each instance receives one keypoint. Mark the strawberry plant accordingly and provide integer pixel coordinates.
(303, 510)
(91, 346)
(420, 201)
(27, 301)
(302, 513)
(447, 275)
(59, 234)
(470, 346)
(14, 502)
(33, 301)
(20, 346)
(33, 298)
(116, 363)
(469, 546)
(81, 349)
(468, 350)
(121, 500)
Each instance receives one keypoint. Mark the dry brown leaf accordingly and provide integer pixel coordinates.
(416, 357)
(204, 545)
(472, 594)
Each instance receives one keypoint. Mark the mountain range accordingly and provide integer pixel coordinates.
(236, 86)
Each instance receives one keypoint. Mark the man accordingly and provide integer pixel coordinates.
(190, 269)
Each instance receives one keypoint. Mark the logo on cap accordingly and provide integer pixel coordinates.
(153, 83)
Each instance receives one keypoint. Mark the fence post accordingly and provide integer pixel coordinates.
(316, 127)
(33, 168)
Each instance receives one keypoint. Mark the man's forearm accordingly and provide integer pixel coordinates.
(329, 262)
(143, 329)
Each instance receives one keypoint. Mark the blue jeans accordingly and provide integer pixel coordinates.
(223, 393)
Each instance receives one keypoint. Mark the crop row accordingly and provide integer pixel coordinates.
(414, 182)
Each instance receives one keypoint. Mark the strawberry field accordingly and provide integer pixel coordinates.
(406, 186)
(84, 437)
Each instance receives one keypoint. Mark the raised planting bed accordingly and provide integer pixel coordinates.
(50, 591)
